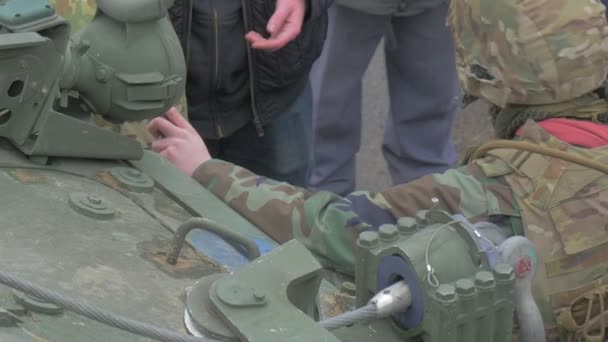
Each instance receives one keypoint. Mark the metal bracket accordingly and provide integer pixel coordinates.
(271, 299)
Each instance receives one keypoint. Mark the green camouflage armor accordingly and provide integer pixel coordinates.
(561, 206)
(505, 187)
(530, 52)
(548, 55)
(79, 13)
(329, 224)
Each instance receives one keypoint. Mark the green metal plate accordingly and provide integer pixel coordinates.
(17, 13)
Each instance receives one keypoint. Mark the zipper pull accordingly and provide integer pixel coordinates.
(220, 130)
(258, 126)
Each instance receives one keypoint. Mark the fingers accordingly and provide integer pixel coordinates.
(273, 43)
(168, 153)
(278, 19)
(284, 26)
(161, 126)
(168, 149)
(171, 154)
(261, 43)
(160, 145)
(177, 118)
(254, 38)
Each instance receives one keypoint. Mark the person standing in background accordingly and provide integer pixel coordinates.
(422, 82)
(247, 89)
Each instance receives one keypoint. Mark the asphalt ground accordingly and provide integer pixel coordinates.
(471, 126)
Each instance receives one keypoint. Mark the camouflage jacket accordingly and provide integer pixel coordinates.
(329, 224)
(563, 205)
(559, 205)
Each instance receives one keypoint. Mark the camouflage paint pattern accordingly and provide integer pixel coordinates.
(329, 224)
(508, 120)
(79, 13)
(560, 206)
(564, 208)
(543, 51)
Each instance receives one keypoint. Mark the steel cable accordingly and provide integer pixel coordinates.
(108, 318)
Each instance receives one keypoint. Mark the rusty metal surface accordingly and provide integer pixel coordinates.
(114, 263)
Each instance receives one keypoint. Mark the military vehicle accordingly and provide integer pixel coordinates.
(102, 240)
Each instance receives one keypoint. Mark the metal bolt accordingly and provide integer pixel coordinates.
(503, 272)
(101, 75)
(259, 295)
(94, 199)
(465, 287)
(446, 292)
(484, 280)
(407, 225)
(368, 239)
(435, 202)
(388, 233)
(91, 205)
(133, 173)
(421, 220)
(133, 179)
(349, 288)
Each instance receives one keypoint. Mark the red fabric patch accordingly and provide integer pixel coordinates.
(576, 132)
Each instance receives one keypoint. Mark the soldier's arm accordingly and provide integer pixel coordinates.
(329, 224)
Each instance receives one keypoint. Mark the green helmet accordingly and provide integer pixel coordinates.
(530, 52)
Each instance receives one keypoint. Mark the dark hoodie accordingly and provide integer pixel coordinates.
(230, 84)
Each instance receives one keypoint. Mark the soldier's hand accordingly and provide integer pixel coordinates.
(284, 26)
(179, 142)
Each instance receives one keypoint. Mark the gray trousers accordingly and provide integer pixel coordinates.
(423, 89)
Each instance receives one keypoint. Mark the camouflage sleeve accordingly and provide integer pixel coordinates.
(329, 224)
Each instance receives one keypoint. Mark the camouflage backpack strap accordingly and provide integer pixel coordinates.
(555, 176)
(517, 154)
(586, 316)
(508, 120)
(588, 107)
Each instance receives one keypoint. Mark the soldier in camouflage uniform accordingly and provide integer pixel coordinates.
(79, 13)
(540, 64)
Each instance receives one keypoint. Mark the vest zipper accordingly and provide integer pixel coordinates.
(216, 65)
(256, 119)
(188, 12)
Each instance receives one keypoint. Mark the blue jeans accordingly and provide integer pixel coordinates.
(283, 153)
(423, 89)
